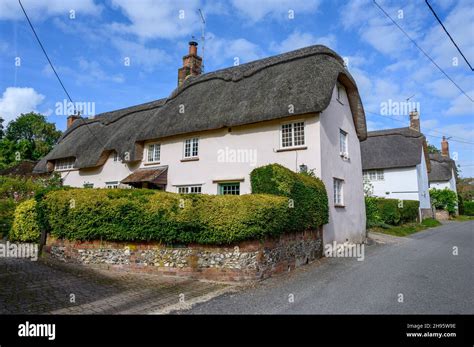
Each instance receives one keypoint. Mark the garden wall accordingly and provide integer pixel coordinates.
(240, 262)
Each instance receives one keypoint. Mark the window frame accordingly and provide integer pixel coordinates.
(155, 145)
(338, 192)
(189, 189)
(70, 161)
(344, 152)
(193, 145)
(373, 175)
(221, 187)
(293, 137)
(112, 185)
(339, 89)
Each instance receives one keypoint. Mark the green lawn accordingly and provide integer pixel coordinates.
(407, 229)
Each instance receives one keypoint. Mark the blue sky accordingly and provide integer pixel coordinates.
(89, 48)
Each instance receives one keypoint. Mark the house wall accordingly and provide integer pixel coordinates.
(423, 183)
(398, 183)
(347, 222)
(451, 184)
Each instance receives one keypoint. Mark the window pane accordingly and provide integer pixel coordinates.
(286, 135)
(298, 129)
(195, 147)
(156, 152)
(187, 148)
(343, 142)
(380, 175)
(230, 189)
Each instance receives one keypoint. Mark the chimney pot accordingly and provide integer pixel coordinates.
(193, 48)
(71, 119)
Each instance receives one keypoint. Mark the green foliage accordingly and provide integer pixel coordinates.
(142, 215)
(432, 149)
(430, 223)
(7, 209)
(444, 199)
(469, 208)
(308, 199)
(383, 212)
(30, 136)
(25, 224)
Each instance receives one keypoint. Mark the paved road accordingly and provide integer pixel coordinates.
(39, 287)
(421, 267)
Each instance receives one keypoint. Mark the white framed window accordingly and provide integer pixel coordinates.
(112, 185)
(116, 156)
(191, 148)
(154, 152)
(292, 135)
(339, 91)
(338, 192)
(374, 175)
(88, 185)
(64, 164)
(196, 189)
(343, 144)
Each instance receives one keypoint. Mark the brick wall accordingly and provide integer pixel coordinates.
(245, 261)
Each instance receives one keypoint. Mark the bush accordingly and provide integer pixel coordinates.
(382, 212)
(444, 199)
(307, 194)
(25, 224)
(143, 215)
(469, 208)
(7, 209)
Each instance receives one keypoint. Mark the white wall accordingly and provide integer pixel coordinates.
(347, 222)
(423, 183)
(398, 183)
(451, 184)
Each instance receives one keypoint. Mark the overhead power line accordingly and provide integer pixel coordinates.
(447, 33)
(422, 51)
(54, 70)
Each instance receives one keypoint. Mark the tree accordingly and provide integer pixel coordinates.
(29, 137)
(432, 149)
(1, 127)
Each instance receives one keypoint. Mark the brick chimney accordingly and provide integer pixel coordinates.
(415, 120)
(191, 64)
(445, 147)
(71, 119)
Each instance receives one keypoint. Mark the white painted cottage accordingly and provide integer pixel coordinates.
(396, 164)
(300, 109)
(443, 169)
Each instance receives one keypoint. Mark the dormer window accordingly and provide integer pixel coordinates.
(64, 164)
(340, 92)
(343, 145)
(116, 157)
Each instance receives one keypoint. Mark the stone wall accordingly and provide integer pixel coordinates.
(245, 261)
(442, 215)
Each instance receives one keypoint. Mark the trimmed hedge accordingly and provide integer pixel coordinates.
(382, 211)
(25, 225)
(469, 208)
(307, 194)
(142, 215)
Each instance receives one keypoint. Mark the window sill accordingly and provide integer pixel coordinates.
(150, 163)
(340, 206)
(292, 149)
(190, 159)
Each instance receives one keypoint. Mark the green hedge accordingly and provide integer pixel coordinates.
(142, 215)
(7, 210)
(26, 226)
(307, 194)
(444, 199)
(382, 211)
(469, 208)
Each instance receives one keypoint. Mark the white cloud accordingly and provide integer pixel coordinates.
(151, 19)
(298, 39)
(461, 105)
(16, 100)
(141, 55)
(221, 51)
(257, 10)
(11, 10)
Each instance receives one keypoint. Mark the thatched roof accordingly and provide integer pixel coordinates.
(23, 168)
(254, 92)
(441, 168)
(393, 148)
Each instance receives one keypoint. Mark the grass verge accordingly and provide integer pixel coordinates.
(462, 218)
(408, 228)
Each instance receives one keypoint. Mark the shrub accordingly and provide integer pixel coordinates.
(307, 194)
(25, 224)
(444, 199)
(142, 215)
(389, 211)
(7, 209)
(409, 212)
(372, 212)
(469, 208)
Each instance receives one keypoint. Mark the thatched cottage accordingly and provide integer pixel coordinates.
(300, 109)
(396, 164)
(443, 169)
